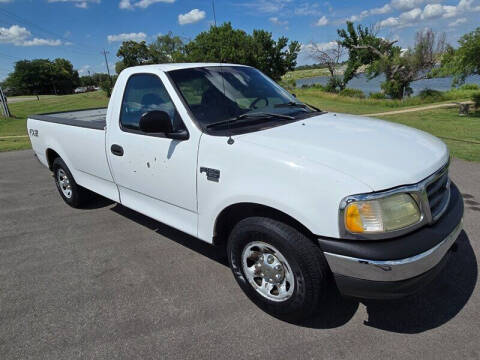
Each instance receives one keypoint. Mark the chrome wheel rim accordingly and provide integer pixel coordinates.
(64, 183)
(267, 271)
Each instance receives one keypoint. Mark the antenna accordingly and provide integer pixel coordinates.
(214, 15)
(230, 140)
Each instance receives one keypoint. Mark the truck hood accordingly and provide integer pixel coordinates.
(378, 153)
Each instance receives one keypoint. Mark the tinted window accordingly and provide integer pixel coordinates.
(218, 93)
(143, 93)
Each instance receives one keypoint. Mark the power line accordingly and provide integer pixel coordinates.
(42, 29)
(10, 56)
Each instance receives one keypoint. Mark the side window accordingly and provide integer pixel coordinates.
(143, 93)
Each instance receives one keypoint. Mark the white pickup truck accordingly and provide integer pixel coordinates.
(298, 197)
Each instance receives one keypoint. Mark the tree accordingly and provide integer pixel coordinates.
(228, 45)
(42, 76)
(381, 56)
(132, 53)
(65, 78)
(167, 49)
(220, 44)
(274, 58)
(329, 58)
(94, 79)
(463, 61)
(364, 49)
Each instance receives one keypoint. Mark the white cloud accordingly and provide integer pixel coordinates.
(406, 4)
(308, 9)
(140, 36)
(432, 11)
(84, 69)
(125, 4)
(275, 20)
(381, 10)
(191, 17)
(319, 46)
(410, 16)
(131, 4)
(13, 34)
(267, 6)
(322, 21)
(458, 22)
(82, 4)
(41, 42)
(389, 22)
(20, 36)
(385, 9)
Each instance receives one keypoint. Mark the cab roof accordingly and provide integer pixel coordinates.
(176, 66)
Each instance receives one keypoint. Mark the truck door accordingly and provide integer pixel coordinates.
(155, 175)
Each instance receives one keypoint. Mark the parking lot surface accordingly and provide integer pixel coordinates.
(108, 283)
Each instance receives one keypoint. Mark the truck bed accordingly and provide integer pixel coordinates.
(92, 119)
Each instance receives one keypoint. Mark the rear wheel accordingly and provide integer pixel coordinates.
(72, 193)
(277, 267)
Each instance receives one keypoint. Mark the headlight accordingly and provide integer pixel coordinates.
(381, 215)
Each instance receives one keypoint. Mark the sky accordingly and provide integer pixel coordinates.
(79, 30)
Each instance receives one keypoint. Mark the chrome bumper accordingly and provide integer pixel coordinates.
(392, 270)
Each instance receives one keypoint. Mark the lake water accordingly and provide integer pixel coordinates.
(361, 82)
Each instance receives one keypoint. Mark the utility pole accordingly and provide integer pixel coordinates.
(109, 92)
(3, 100)
(106, 63)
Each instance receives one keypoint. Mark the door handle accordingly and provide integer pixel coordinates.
(116, 150)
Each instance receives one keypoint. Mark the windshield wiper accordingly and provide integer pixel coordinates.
(258, 115)
(296, 104)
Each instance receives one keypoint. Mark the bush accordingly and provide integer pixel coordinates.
(334, 85)
(288, 84)
(378, 95)
(470, 87)
(357, 93)
(106, 86)
(429, 94)
(396, 89)
(476, 100)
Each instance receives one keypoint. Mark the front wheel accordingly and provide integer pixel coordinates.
(279, 269)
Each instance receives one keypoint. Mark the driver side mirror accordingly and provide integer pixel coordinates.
(159, 122)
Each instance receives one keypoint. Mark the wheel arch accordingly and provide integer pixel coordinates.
(232, 214)
(51, 155)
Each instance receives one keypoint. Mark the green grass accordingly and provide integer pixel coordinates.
(333, 102)
(17, 125)
(460, 133)
(301, 74)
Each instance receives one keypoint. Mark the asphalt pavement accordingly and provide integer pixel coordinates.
(108, 283)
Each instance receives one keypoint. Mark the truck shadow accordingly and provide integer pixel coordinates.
(201, 247)
(433, 306)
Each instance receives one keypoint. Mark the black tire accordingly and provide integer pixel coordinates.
(79, 195)
(307, 262)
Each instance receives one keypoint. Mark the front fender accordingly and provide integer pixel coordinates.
(306, 191)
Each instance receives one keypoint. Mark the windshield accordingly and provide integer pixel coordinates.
(219, 93)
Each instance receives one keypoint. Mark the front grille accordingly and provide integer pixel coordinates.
(438, 194)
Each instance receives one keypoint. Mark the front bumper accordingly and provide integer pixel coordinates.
(395, 267)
